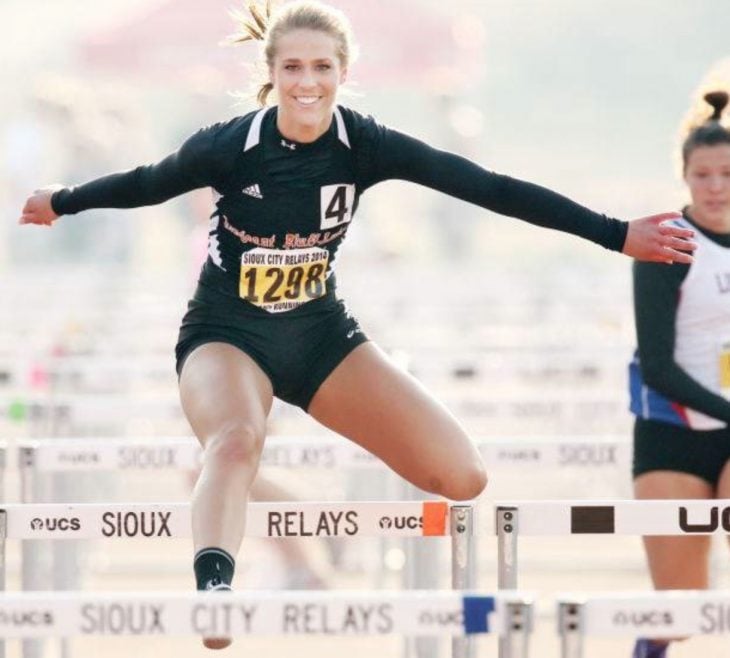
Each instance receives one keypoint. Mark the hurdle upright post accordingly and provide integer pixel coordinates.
(463, 569)
(421, 572)
(3, 542)
(26, 462)
(506, 523)
(514, 643)
(3, 463)
(570, 629)
(35, 555)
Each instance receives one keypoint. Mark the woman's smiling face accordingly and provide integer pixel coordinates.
(306, 74)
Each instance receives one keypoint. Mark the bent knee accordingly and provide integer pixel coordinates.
(238, 443)
(467, 484)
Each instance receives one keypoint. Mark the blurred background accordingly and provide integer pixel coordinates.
(523, 333)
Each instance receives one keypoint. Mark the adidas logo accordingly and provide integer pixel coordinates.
(253, 190)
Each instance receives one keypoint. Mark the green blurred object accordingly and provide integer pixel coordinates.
(17, 411)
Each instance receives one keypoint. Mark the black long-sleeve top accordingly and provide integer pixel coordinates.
(275, 194)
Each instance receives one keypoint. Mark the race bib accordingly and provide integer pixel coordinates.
(723, 364)
(279, 280)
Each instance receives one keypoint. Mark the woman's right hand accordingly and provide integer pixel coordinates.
(38, 209)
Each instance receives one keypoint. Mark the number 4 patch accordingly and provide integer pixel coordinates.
(336, 205)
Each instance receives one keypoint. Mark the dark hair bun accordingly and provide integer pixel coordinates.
(718, 100)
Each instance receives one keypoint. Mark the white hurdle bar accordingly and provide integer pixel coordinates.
(57, 455)
(656, 614)
(602, 517)
(46, 455)
(264, 519)
(286, 613)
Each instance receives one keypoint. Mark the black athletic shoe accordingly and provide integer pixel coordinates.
(648, 649)
(217, 642)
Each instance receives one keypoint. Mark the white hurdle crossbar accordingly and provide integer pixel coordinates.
(264, 519)
(616, 517)
(228, 614)
(656, 614)
(47, 455)
(55, 455)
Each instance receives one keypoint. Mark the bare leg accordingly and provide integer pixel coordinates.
(676, 562)
(723, 485)
(386, 411)
(226, 398)
(305, 561)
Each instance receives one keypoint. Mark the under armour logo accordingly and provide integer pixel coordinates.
(288, 145)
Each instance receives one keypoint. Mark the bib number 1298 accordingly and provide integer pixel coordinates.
(280, 280)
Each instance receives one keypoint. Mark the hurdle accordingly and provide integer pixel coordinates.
(67, 408)
(657, 614)
(61, 521)
(176, 453)
(286, 613)
(586, 517)
(329, 452)
(118, 521)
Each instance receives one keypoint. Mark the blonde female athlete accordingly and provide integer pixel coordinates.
(266, 319)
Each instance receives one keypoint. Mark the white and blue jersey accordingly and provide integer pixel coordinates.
(680, 373)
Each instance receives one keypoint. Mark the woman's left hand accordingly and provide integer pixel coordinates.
(38, 208)
(649, 238)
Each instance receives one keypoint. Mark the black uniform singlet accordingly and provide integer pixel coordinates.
(282, 211)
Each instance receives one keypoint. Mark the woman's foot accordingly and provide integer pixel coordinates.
(217, 642)
(649, 649)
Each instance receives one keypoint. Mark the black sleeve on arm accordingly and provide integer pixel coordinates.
(396, 155)
(189, 168)
(656, 297)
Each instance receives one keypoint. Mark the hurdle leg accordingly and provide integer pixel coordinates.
(515, 643)
(570, 629)
(3, 538)
(3, 463)
(463, 569)
(506, 522)
(421, 572)
(506, 547)
(35, 554)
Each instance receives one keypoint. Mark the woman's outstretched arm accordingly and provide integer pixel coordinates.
(399, 156)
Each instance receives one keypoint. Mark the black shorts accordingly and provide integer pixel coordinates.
(660, 446)
(297, 349)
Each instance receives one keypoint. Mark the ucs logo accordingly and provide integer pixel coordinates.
(401, 522)
(716, 518)
(22, 618)
(441, 618)
(62, 524)
(638, 619)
